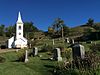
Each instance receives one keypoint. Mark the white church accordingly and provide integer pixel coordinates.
(18, 41)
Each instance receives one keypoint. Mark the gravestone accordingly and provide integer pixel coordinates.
(35, 51)
(57, 54)
(73, 41)
(67, 40)
(30, 45)
(78, 51)
(26, 56)
(53, 42)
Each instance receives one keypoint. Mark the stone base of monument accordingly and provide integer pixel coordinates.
(26, 60)
(59, 58)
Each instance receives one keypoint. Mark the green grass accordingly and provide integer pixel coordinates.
(35, 66)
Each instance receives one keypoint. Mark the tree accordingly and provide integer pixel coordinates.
(97, 27)
(29, 28)
(90, 22)
(58, 26)
(10, 30)
(2, 30)
(58, 29)
(66, 30)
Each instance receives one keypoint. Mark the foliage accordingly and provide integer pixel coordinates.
(90, 22)
(88, 66)
(2, 59)
(58, 28)
(95, 47)
(47, 48)
(10, 30)
(97, 27)
(2, 28)
(29, 28)
(21, 55)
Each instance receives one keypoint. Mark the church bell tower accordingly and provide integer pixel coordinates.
(19, 27)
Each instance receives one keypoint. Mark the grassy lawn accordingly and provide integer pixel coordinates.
(35, 66)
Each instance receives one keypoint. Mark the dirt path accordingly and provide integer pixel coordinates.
(6, 50)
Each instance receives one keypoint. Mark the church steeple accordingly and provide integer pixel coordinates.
(19, 27)
(19, 18)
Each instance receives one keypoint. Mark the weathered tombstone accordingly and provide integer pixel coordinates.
(53, 42)
(67, 40)
(78, 51)
(73, 41)
(35, 51)
(29, 45)
(26, 56)
(57, 54)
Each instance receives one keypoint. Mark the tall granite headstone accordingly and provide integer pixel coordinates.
(78, 51)
(57, 54)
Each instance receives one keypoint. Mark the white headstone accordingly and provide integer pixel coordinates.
(53, 42)
(57, 54)
(67, 40)
(35, 51)
(26, 56)
(73, 41)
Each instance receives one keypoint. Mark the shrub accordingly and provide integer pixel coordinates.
(46, 48)
(88, 66)
(21, 55)
(2, 59)
(95, 47)
(3, 47)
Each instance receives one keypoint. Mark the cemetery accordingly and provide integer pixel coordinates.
(49, 53)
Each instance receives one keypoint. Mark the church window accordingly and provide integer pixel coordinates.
(19, 27)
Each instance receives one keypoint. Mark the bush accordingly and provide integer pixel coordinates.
(88, 66)
(2, 59)
(3, 47)
(95, 47)
(46, 48)
(21, 55)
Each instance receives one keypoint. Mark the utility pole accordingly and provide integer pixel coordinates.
(62, 32)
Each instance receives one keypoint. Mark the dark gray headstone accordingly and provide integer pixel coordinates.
(57, 54)
(78, 51)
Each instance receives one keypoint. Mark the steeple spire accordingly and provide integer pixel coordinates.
(19, 18)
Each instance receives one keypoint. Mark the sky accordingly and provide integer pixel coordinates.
(43, 12)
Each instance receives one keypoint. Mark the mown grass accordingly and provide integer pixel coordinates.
(35, 66)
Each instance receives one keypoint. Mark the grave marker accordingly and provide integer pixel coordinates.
(57, 54)
(78, 51)
(26, 56)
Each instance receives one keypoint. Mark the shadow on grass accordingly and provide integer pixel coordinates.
(47, 59)
(51, 69)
